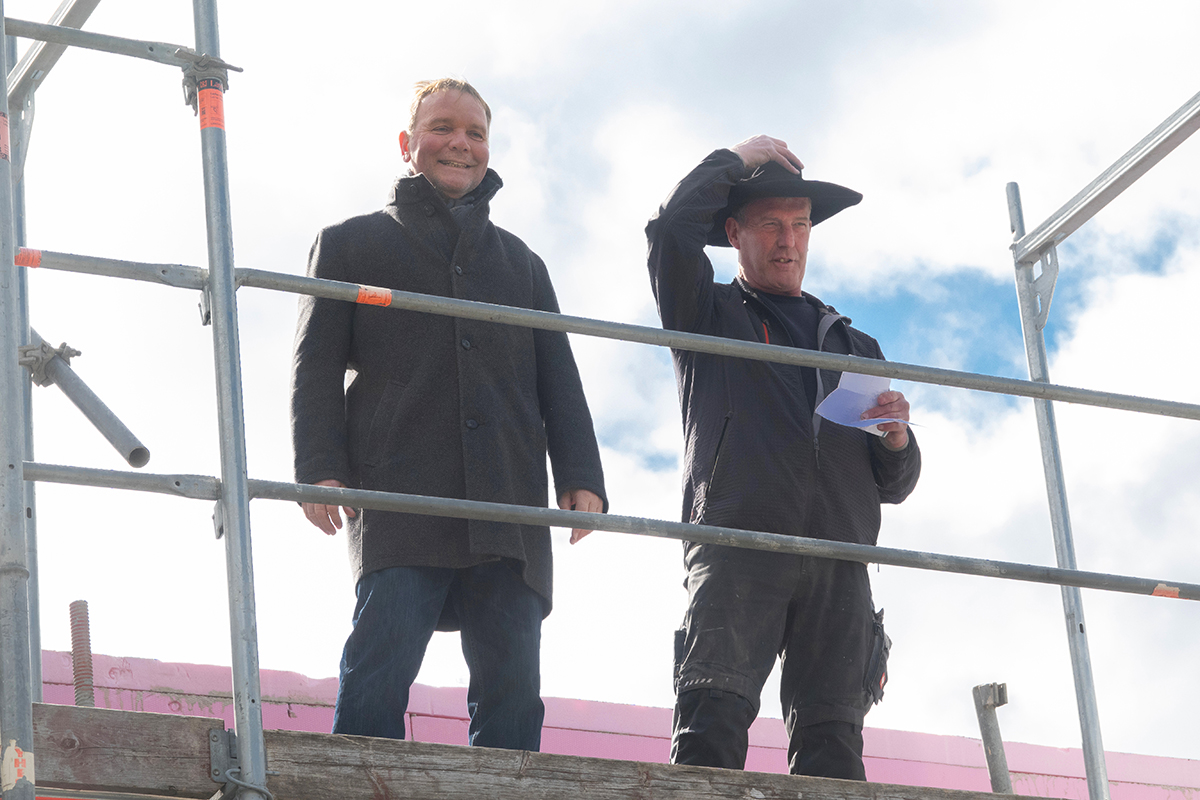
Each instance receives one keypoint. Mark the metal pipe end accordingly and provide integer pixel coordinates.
(138, 457)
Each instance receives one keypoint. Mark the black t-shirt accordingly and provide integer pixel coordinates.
(799, 317)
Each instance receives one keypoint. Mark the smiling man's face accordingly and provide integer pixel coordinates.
(771, 237)
(449, 143)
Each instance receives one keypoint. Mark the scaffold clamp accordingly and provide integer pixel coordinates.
(36, 357)
(202, 66)
(224, 769)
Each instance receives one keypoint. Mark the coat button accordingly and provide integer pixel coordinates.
(472, 424)
(428, 209)
(457, 269)
(466, 343)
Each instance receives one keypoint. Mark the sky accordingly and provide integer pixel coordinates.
(928, 107)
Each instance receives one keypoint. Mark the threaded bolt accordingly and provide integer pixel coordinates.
(81, 654)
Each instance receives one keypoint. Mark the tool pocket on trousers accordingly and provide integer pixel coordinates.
(876, 676)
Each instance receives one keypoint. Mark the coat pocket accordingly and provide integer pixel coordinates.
(374, 446)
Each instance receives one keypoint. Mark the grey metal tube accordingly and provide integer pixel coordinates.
(41, 57)
(195, 277)
(193, 487)
(99, 414)
(1173, 131)
(987, 698)
(16, 678)
(779, 354)
(206, 488)
(160, 52)
(177, 275)
(17, 145)
(234, 505)
(1060, 519)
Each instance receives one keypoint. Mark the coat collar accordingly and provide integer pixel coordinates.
(412, 189)
(749, 292)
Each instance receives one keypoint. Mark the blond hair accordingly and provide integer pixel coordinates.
(422, 89)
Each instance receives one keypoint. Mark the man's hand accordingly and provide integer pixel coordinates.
(326, 517)
(893, 405)
(758, 150)
(580, 500)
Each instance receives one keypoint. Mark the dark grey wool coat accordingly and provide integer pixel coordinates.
(436, 405)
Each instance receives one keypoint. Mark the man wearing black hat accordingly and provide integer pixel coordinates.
(758, 458)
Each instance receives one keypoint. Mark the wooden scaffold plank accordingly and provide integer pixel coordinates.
(87, 748)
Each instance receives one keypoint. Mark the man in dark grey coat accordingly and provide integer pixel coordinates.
(444, 407)
(758, 458)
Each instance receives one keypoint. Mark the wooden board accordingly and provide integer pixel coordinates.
(99, 749)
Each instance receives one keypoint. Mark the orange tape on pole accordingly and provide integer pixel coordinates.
(1162, 590)
(211, 97)
(374, 297)
(28, 258)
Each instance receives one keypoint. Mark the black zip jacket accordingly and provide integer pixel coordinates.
(756, 457)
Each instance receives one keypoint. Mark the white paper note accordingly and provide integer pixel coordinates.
(854, 395)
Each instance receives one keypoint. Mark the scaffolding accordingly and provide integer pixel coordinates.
(244, 767)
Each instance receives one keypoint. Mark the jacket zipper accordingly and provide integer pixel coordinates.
(716, 462)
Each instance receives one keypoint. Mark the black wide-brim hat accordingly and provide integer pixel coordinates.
(774, 180)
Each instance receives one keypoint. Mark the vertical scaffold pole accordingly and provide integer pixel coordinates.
(16, 683)
(17, 144)
(234, 507)
(1033, 296)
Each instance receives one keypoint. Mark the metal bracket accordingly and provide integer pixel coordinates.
(201, 67)
(1043, 286)
(35, 358)
(205, 307)
(218, 519)
(222, 753)
(991, 695)
(223, 766)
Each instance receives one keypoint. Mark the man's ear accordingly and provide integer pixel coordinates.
(404, 139)
(731, 231)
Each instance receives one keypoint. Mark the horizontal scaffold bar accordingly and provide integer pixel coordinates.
(195, 278)
(162, 52)
(716, 345)
(178, 275)
(206, 488)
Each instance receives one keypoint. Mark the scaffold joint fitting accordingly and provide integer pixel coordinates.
(36, 357)
(202, 66)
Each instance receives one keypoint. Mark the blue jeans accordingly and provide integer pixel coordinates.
(396, 614)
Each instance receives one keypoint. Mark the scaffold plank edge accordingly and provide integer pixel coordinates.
(92, 748)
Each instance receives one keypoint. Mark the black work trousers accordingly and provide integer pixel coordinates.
(747, 607)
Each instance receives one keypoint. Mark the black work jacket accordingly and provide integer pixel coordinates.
(438, 405)
(756, 457)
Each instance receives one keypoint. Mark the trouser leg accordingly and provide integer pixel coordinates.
(827, 750)
(501, 620)
(824, 658)
(394, 618)
(711, 729)
(737, 604)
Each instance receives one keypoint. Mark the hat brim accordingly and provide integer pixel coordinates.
(773, 180)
